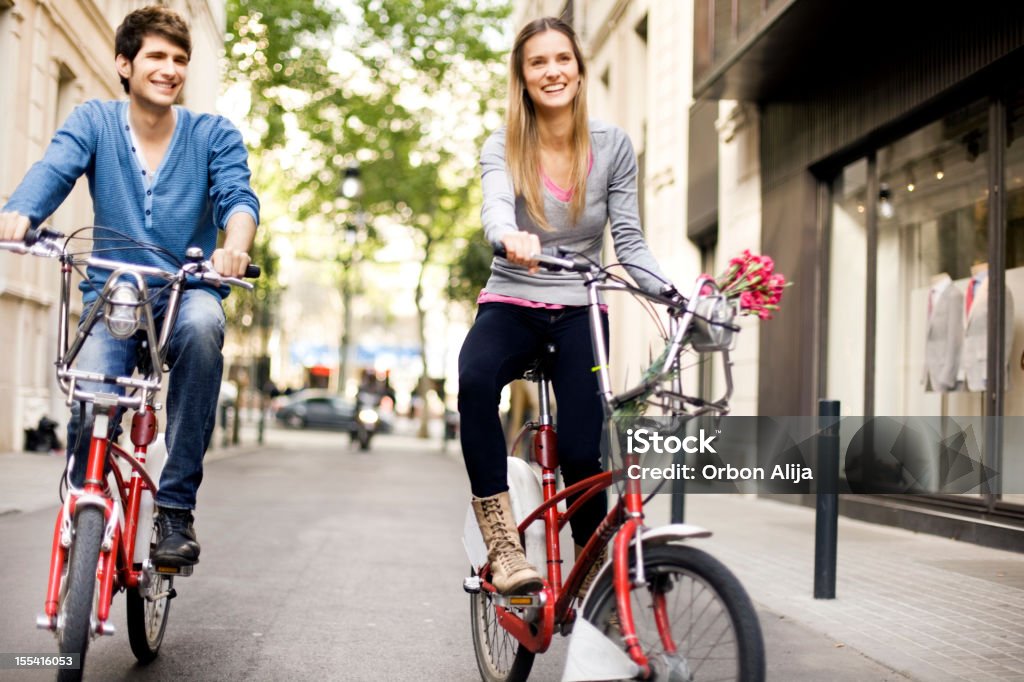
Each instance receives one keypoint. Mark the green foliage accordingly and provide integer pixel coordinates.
(470, 269)
(361, 87)
(408, 88)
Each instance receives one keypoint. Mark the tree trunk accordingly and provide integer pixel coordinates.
(421, 320)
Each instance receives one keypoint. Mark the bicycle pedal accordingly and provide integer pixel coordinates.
(182, 571)
(471, 584)
(519, 601)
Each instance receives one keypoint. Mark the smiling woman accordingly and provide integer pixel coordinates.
(550, 177)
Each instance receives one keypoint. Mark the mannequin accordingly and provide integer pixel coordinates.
(975, 347)
(944, 336)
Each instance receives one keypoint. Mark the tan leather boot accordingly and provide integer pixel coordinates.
(511, 573)
(595, 568)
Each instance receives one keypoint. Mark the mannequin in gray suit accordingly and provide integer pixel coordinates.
(975, 351)
(945, 335)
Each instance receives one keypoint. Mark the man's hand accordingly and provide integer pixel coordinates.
(519, 247)
(232, 259)
(230, 262)
(13, 226)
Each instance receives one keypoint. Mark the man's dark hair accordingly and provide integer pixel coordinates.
(152, 20)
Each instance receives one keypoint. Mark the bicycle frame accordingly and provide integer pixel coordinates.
(118, 568)
(625, 520)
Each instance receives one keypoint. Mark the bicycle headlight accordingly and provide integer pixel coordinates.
(710, 330)
(122, 311)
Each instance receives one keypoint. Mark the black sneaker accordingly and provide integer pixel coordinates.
(176, 539)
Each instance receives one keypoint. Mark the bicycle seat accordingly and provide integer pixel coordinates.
(541, 366)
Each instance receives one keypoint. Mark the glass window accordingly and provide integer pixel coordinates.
(846, 300)
(1012, 460)
(932, 252)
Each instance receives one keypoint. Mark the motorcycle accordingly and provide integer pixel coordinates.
(367, 420)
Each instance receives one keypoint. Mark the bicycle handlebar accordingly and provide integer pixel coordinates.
(554, 258)
(551, 258)
(42, 241)
(37, 233)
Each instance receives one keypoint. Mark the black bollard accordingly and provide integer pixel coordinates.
(677, 509)
(826, 526)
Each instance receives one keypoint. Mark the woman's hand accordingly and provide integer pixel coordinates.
(520, 247)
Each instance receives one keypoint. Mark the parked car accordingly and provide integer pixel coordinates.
(324, 410)
(317, 409)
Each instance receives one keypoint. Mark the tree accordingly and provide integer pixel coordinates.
(407, 88)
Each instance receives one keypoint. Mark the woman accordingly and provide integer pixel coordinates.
(550, 178)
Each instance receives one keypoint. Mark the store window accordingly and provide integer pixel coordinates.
(1014, 182)
(846, 300)
(931, 311)
(1013, 179)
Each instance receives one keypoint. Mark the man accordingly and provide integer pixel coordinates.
(164, 175)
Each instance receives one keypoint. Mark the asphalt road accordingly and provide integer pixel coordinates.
(322, 562)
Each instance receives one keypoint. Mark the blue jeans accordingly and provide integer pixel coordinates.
(503, 341)
(194, 356)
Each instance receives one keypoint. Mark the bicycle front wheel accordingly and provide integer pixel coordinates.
(78, 593)
(708, 627)
(148, 609)
(499, 656)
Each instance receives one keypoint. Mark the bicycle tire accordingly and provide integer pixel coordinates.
(717, 604)
(78, 593)
(147, 620)
(499, 656)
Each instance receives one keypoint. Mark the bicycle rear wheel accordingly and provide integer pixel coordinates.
(78, 593)
(148, 609)
(713, 624)
(499, 656)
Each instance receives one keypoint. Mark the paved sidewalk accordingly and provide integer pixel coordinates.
(29, 480)
(927, 607)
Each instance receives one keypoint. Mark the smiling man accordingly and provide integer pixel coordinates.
(163, 175)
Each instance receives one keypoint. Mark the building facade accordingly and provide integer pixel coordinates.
(886, 152)
(57, 55)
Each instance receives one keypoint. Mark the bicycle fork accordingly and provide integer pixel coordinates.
(92, 495)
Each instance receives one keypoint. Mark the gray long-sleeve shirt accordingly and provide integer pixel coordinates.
(611, 196)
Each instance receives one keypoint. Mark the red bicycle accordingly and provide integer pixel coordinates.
(104, 531)
(660, 609)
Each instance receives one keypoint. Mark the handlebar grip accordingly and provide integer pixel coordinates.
(252, 271)
(553, 251)
(34, 234)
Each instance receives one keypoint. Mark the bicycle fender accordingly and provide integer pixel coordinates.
(526, 495)
(662, 535)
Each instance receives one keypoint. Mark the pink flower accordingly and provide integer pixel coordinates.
(752, 279)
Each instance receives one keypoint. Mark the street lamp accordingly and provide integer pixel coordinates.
(351, 189)
(352, 183)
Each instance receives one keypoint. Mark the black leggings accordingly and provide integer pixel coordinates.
(502, 343)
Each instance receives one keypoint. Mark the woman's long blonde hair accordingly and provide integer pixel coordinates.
(522, 142)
